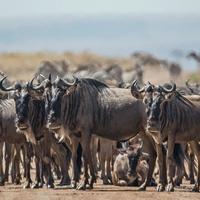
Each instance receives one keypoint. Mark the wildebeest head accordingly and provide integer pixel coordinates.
(22, 99)
(134, 152)
(61, 88)
(159, 95)
(145, 93)
(30, 108)
(42, 91)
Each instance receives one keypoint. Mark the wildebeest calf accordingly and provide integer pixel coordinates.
(131, 167)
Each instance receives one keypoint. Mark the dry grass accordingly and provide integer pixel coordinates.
(22, 66)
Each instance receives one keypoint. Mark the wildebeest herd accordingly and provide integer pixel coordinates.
(77, 129)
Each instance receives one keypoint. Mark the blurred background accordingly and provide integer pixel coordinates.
(106, 31)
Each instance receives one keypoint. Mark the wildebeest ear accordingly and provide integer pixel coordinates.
(135, 91)
(137, 95)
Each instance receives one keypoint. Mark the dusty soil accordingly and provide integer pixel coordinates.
(99, 192)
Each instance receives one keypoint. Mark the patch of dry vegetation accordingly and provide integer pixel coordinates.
(22, 66)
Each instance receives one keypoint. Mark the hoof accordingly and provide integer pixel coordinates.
(192, 181)
(195, 189)
(89, 186)
(73, 185)
(50, 186)
(105, 181)
(178, 182)
(27, 185)
(17, 181)
(160, 188)
(81, 186)
(152, 183)
(2, 181)
(37, 185)
(170, 188)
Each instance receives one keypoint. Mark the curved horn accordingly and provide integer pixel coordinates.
(173, 88)
(149, 87)
(11, 88)
(134, 86)
(41, 75)
(38, 87)
(68, 83)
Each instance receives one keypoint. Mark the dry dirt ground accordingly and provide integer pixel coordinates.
(99, 192)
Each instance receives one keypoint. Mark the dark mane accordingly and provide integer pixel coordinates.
(87, 97)
(95, 83)
(178, 112)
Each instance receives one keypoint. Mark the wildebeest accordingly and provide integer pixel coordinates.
(30, 120)
(9, 135)
(177, 120)
(146, 93)
(131, 167)
(87, 107)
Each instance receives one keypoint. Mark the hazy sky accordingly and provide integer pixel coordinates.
(12, 8)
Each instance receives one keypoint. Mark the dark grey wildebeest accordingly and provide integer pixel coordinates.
(177, 120)
(30, 120)
(9, 135)
(146, 93)
(87, 106)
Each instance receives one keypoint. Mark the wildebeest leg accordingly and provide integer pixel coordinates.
(75, 174)
(46, 160)
(142, 172)
(191, 168)
(94, 148)
(102, 165)
(55, 166)
(24, 161)
(196, 149)
(13, 164)
(151, 150)
(7, 159)
(2, 181)
(161, 156)
(48, 174)
(85, 143)
(79, 160)
(17, 163)
(37, 168)
(170, 162)
(62, 153)
(27, 161)
(108, 169)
